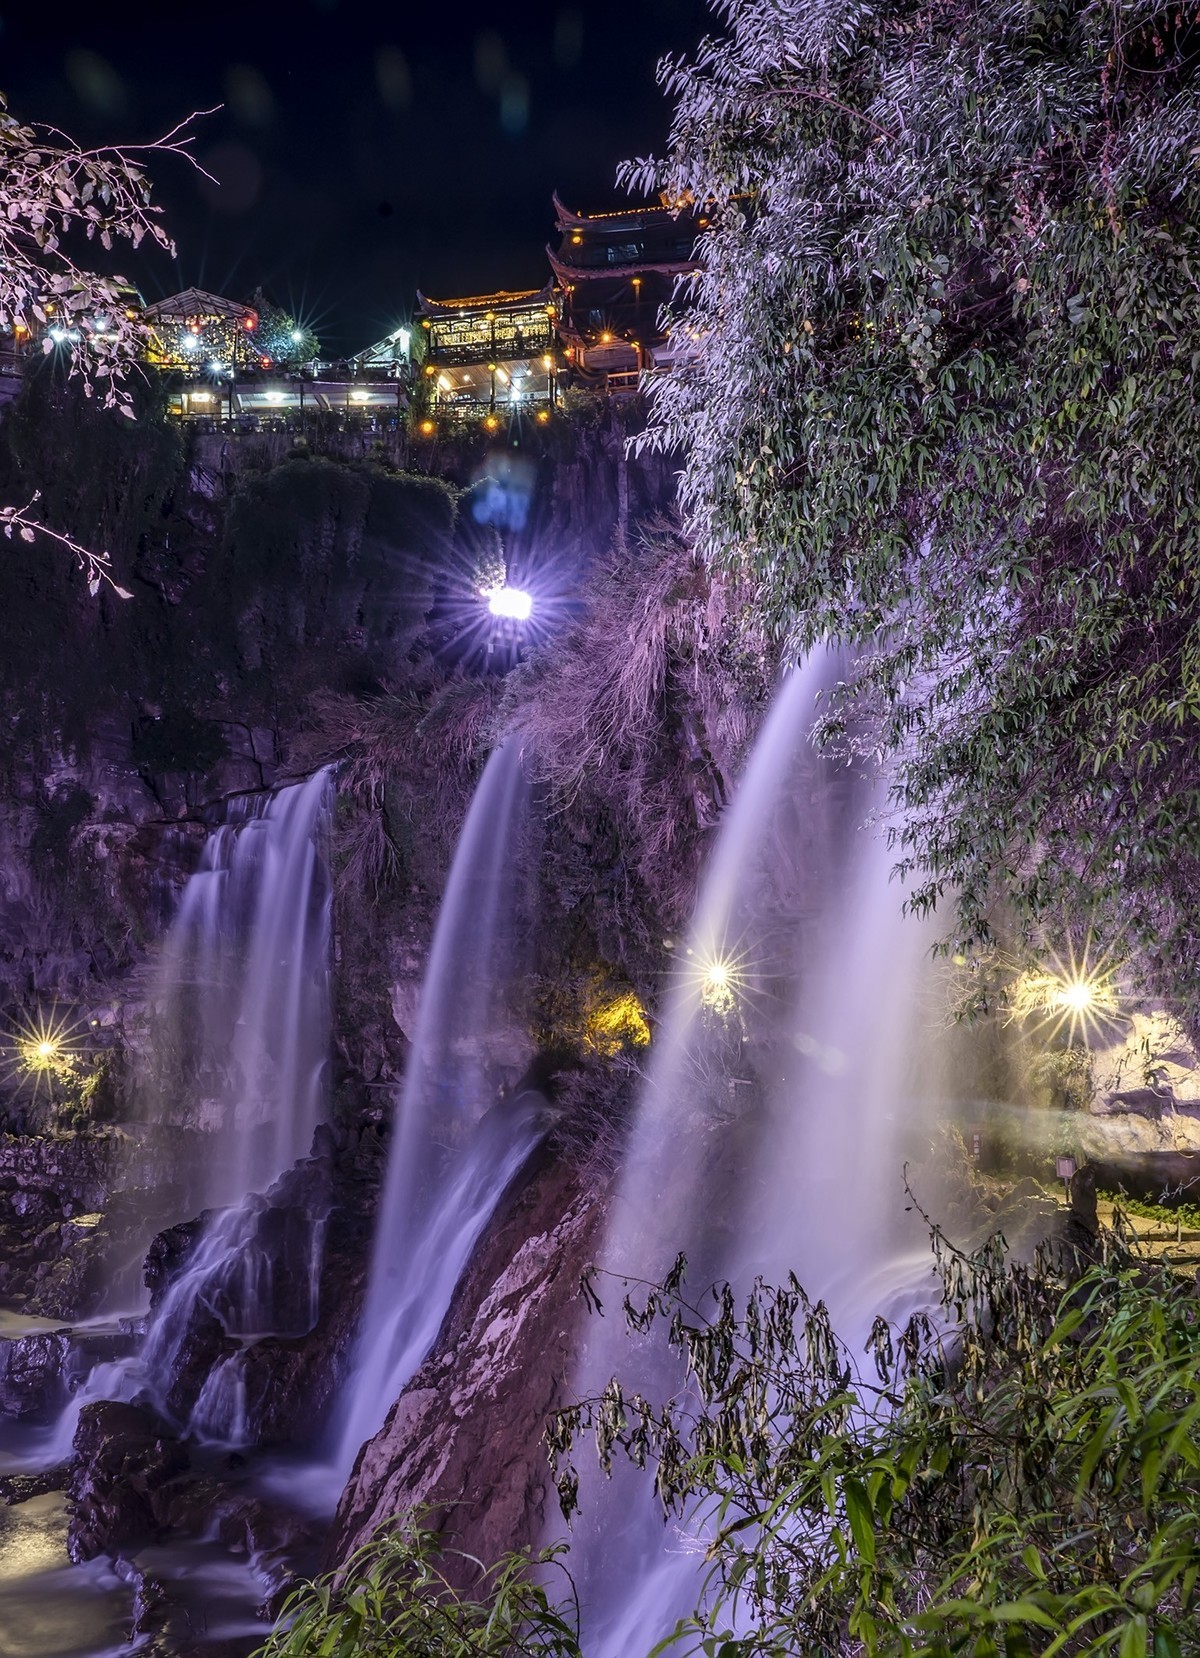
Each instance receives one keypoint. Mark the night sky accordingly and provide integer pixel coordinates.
(364, 150)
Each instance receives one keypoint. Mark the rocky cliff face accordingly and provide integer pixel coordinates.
(464, 1440)
(291, 610)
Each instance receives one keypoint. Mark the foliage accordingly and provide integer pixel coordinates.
(392, 1598)
(52, 193)
(1166, 1214)
(1021, 1472)
(943, 407)
(276, 334)
(318, 554)
(620, 717)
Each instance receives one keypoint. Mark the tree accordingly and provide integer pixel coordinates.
(52, 193)
(1022, 1469)
(941, 405)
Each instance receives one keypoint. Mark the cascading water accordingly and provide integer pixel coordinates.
(246, 988)
(453, 1150)
(773, 1125)
(246, 981)
(248, 965)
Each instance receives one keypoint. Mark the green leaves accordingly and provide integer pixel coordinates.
(984, 228)
(392, 1598)
(1025, 1480)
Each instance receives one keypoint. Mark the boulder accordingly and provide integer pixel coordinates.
(123, 1459)
(464, 1440)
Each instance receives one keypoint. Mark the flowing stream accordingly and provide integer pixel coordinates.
(790, 1077)
(455, 1147)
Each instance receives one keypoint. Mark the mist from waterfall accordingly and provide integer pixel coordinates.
(455, 1147)
(791, 1075)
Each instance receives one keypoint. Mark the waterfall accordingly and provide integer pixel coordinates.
(246, 989)
(785, 1086)
(245, 976)
(247, 963)
(454, 1148)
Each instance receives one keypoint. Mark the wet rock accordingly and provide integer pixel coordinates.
(32, 1372)
(169, 1253)
(465, 1437)
(124, 1457)
(19, 1488)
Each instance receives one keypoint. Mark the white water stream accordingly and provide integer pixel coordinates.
(789, 1080)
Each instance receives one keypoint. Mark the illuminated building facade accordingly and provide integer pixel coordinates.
(494, 352)
(614, 271)
(203, 334)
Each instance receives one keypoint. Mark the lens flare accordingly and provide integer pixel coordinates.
(1079, 997)
(511, 602)
(719, 977)
(42, 1048)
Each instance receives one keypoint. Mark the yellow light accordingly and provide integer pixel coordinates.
(428, 428)
(547, 362)
(719, 978)
(543, 415)
(605, 337)
(618, 1023)
(429, 369)
(491, 423)
(43, 1048)
(1079, 996)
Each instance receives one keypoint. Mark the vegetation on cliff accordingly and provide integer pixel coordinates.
(943, 409)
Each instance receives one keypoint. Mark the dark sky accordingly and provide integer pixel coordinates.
(365, 150)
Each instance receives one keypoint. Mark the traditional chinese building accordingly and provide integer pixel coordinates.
(614, 271)
(494, 352)
(203, 333)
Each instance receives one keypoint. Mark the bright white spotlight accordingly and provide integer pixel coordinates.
(189, 342)
(511, 602)
(297, 336)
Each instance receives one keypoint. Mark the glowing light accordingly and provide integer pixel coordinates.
(201, 396)
(511, 602)
(297, 336)
(428, 428)
(543, 415)
(189, 342)
(445, 383)
(42, 1048)
(491, 423)
(616, 1024)
(1078, 996)
(605, 338)
(547, 362)
(719, 978)
(275, 395)
(359, 396)
(216, 366)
